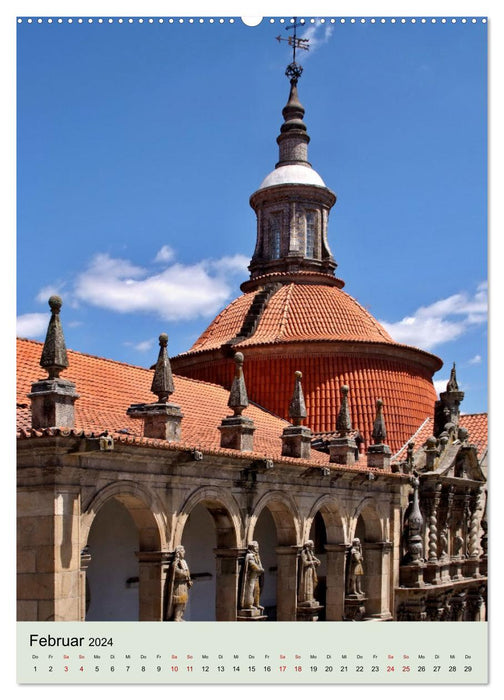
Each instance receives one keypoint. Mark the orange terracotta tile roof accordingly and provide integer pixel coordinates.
(107, 388)
(296, 312)
(408, 393)
(475, 423)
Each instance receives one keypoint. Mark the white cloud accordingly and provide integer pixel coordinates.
(440, 385)
(230, 263)
(442, 321)
(476, 360)
(318, 34)
(142, 346)
(177, 292)
(32, 325)
(165, 254)
(46, 292)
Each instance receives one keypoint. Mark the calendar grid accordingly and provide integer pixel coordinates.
(195, 653)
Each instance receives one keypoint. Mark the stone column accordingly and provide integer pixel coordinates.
(49, 554)
(473, 551)
(444, 536)
(227, 567)
(152, 570)
(286, 597)
(335, 581)
(377, 572)
(432, 499)
(85, 561)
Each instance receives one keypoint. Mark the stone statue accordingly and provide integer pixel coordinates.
(252, 581)
(308, 563)
(355, 569)
(178, 585)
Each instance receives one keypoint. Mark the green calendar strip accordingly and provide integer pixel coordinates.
(243, 652)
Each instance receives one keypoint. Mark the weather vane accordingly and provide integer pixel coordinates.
(294, 70)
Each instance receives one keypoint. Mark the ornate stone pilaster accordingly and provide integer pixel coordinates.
(287, 582)
(432, 500)
(472, 563)
(335, 581)
(377, 579)
(433, 505)
(85, 561)
(227, 567)
(475, 507)
(152, 568)
(445, 531)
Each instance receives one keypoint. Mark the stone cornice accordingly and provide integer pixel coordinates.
(344, 348)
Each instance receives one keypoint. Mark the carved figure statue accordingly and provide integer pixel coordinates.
(355, 569)
(252, 580)
(179, 583)
(308, 563)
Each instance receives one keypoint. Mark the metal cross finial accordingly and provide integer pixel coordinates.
(294, 70)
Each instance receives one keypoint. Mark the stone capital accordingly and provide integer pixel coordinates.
(384, 546)
(230, 552)
(286, 550)
(343, 547)
(159, 557)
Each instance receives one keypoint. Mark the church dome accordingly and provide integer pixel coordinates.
(292, 175)
(295, 312)
(327, 335)
(294, 316)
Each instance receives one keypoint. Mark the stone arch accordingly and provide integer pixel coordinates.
(285, 515)
(223, 509)
(285, 526)
(377, 578)
(336, 525)
(143, 506)
(141, 539)
(372, 521)
(213, 561)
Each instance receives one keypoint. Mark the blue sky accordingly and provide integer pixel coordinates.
(140, 144)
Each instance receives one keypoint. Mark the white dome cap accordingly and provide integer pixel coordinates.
(292, 175)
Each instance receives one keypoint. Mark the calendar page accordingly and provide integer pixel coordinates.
(252, 349)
